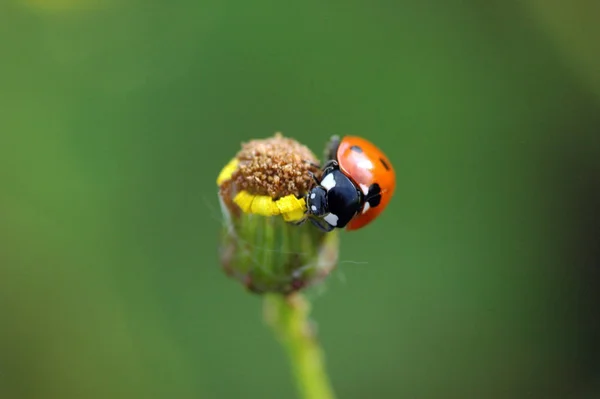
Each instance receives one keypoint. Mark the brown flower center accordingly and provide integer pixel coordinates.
(276, 166)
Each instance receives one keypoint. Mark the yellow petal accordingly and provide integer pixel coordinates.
(244, 200)
(294, 216)
(227, 171)
(265, 206)
(292, 209)
(290, 204)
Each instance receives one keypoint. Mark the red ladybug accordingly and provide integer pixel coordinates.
(356, 185)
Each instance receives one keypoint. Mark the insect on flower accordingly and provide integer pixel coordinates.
(263, 192)
(356, 184)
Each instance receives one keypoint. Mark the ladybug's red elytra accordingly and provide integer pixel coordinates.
(356, 185)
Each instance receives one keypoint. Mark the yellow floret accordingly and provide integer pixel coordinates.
(290, 208)
(227, 171)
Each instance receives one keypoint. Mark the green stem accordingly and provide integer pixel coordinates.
(289, 318)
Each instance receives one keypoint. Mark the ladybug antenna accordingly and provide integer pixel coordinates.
(313, 164)
(312, 175)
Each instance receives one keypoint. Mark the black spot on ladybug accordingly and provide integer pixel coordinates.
(374, 195)
(356, 148)
(385, 164)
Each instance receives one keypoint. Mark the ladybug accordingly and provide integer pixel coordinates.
(356, 184)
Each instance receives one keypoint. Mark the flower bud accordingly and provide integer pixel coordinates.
(264, 243)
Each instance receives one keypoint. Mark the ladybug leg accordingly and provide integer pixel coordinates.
(329, 166)
(298, 222)
(312, 175)
(321, 225)
(332, 147)
(314, 165)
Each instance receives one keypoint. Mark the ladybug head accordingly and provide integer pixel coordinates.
(316, 201)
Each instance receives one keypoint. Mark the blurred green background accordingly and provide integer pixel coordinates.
(479, 282)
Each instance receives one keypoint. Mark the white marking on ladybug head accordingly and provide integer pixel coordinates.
(328, 182)
(314, 208)
(364, 188)
(331, 219)
(366, 207)
(313, 195)
(365, 164)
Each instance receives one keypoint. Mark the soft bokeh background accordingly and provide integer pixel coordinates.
(481, 280)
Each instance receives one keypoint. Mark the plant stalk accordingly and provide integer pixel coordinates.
(288, 316)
